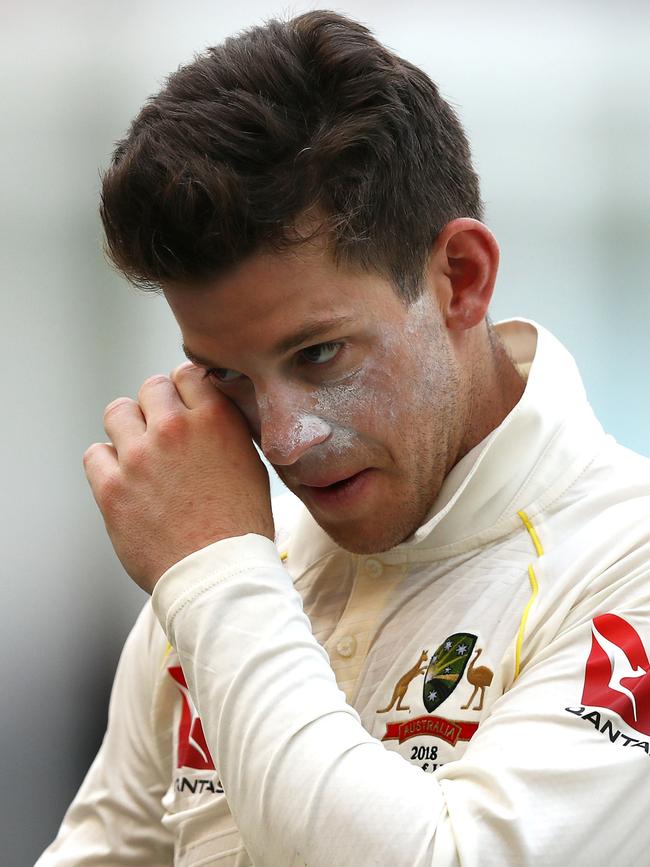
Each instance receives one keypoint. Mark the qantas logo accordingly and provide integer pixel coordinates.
(617, 675)
(192, 749)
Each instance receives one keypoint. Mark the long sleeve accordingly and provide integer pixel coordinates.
(541, 782)
(115, 817)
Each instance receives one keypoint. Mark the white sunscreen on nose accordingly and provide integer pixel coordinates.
(307, 429)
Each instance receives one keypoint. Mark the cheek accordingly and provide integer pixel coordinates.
(366, 404)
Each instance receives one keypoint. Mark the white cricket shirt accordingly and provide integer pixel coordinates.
(478, 695)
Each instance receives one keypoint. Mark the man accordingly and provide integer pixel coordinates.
(441, 659)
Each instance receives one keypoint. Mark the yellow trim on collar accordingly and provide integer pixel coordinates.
(168, 650)
(534, 586)
(531, 531)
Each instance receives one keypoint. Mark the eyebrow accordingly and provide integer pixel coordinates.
(196, 359)
(308, 331)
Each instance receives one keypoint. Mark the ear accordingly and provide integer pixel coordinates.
(463, 268)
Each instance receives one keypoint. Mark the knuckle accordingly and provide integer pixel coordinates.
(134, 457)
(183, 370)
(116, 405)
(172, 428)
(153, 381)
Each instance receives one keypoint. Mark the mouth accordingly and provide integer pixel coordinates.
(330, 481)
(338, 492)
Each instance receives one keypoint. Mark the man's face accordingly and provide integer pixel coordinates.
(362, 416)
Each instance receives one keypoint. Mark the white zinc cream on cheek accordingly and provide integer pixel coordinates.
(362, 399)
(326, 417)
(375, 392)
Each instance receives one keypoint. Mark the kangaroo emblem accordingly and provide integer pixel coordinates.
(403, 683)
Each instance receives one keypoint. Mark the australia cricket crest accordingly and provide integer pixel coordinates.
(446, 668)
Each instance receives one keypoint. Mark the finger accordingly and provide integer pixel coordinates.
(158, 399)
(123, 421)
(193, 387)
(100, 465)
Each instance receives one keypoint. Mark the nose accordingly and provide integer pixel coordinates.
(288, 431)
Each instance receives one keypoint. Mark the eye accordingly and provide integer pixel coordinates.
(321, 353)
(222, 374)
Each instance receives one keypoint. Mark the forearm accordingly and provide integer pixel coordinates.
(304, 780)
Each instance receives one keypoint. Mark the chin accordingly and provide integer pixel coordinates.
(376, 541)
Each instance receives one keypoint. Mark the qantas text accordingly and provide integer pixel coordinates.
(607, 728)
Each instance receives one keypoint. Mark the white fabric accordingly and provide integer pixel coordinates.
(510, 769)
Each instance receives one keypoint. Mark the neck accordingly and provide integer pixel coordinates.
(495, 387)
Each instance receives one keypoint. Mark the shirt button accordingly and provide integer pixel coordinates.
(346, 646)
(373, 568)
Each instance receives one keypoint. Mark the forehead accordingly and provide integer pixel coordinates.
(274, 294)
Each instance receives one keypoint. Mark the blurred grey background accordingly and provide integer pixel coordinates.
(555, 99)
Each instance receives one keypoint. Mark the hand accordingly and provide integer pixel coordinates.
(180, 472)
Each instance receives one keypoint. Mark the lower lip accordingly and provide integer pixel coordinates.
(342, 494)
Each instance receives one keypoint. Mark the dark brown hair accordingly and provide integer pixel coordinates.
(307, 122)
